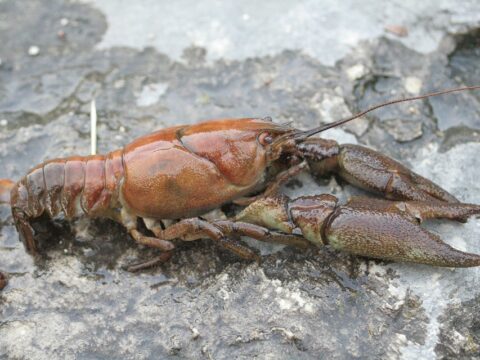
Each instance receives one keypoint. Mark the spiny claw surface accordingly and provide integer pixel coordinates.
(368, 227)
(391, 235)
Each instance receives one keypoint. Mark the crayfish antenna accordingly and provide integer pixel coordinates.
(302, 135)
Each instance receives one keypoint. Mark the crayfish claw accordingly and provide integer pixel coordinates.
(392, 235)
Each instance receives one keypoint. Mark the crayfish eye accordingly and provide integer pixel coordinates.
(265, 139)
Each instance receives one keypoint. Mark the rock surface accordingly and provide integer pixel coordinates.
(77, 302)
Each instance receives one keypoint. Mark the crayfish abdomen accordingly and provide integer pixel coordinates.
(74, 186)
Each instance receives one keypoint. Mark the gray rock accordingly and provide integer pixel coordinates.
(75, 301)
(325, 30)
(403, 131)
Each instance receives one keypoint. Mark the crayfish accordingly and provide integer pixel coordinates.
(180, 173)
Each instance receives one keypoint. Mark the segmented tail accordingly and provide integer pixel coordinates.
(74, 186)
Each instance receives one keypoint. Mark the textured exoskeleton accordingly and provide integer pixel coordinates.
(369, 170)
(182, 172)
(368, 227)
(175, 173)
(185, 171)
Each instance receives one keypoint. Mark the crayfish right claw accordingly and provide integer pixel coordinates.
(390, 235)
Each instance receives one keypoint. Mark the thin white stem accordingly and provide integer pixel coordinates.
(93, 128)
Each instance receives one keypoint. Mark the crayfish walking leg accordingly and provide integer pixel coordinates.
(222, 232)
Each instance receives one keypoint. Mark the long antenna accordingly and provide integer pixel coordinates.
(307, 133)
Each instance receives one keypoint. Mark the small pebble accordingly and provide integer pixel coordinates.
(64, 22)
(61, 34)
(398, 30)
(121, 129)
(195, 333)
(404, 131)
(3, 122)
(119, 84)
(357, 71)
(33, 50)
(413, 85)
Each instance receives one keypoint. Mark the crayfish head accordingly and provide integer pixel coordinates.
(287, 144)
(240, 148)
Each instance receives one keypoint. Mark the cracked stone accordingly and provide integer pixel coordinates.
(403, 131)
(75, 300)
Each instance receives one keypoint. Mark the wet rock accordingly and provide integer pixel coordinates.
(76, 301)
(460, 331)
(325, 30)
(464, 108)
(459, 135)
(403, 131)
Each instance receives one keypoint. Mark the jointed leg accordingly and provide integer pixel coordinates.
(149, 241)
(157, 260)
(274, 187)
(260, 233)
(221, 231)
(186, 230)
(194, 228)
